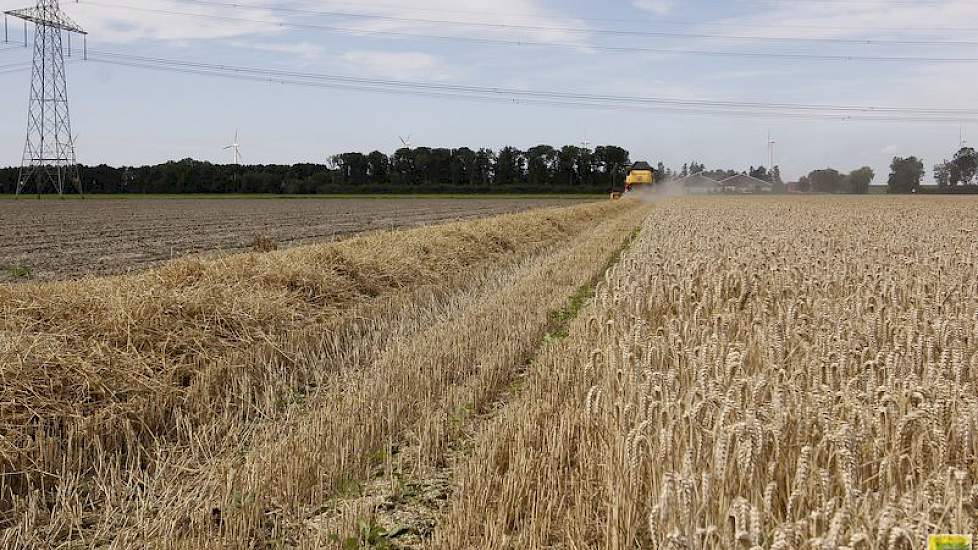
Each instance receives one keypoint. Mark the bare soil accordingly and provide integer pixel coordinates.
(54, 240)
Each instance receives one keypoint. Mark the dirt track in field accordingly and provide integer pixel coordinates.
(51, 240)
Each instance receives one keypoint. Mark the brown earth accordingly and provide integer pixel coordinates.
(50, 240)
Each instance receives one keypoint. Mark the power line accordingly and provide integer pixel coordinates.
(16, 65)
(498, 90)
(640, 19)
(613, 32)
(522, 43)
(559, 99)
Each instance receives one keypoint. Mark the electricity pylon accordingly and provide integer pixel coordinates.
(49, 153)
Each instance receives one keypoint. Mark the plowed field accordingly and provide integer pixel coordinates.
(47, 240)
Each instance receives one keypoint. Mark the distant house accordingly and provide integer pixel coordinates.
(742, 183)
(698, 184)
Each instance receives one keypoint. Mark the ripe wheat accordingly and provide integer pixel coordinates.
(755, 373)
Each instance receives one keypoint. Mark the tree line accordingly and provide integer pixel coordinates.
(959, 174)
(540, 169)
(830, 180)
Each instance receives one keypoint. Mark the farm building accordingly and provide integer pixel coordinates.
(698, 184)
(742, 183)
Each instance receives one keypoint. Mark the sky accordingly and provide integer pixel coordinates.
(700, 50)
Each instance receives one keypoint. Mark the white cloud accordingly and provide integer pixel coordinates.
(900, 84)
(447, 18)
(658, 7)
(306, 50)
(148, 20)
(397, 65)
(856, 20)
(176, 21)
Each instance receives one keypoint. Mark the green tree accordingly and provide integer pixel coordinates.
(485, 160)
(858, 181)
(439, 167)
(463, 164)
(905, 175)
(378, 167)
(942, 174)
(612, 161)
(569, 166)
(403, 169)
(776, 180)
(585, 167)
(760, 173)
(509, 166)
(662, 173)
(353, 168)
(964, 166)
(541, 164)
(826, 181)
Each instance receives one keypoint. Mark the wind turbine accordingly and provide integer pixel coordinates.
(235, 149)
(406, 142)
(770, 149)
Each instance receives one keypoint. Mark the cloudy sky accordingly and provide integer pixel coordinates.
(918, 55)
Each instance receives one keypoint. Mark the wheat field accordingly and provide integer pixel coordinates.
(742, 372)
(753, 374)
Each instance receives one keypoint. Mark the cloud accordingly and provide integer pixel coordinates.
(148, 20)
(397, 65)
(658, 7)
(306, 50)
(173, 20)
(866, 19)
(906, 84)
(448, 18)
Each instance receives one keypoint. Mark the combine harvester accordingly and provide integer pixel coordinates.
(640, 178)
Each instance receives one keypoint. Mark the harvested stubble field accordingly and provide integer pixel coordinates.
(756, 373)
(66, 239)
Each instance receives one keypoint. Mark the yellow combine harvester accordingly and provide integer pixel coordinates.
(639, 176)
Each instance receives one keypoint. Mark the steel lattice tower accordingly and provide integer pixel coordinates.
(49, 153)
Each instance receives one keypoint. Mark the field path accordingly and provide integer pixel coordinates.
(468, 377)
(404, 504)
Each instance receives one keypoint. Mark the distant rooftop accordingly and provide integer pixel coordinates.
(743, 180)
(699, 180)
